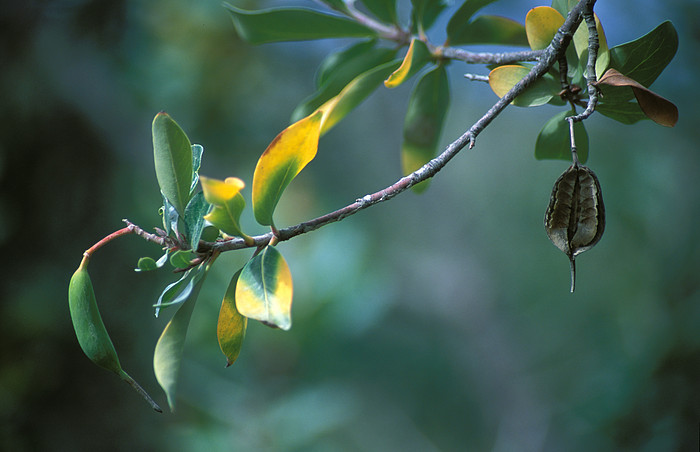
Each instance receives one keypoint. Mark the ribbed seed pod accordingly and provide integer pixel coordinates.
(575, 218)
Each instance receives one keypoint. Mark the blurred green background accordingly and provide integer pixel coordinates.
(433, 322)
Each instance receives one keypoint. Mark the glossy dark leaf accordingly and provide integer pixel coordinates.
(646, 57)
(424, 120)
(496, 30)
(168, 353)
(292, 24)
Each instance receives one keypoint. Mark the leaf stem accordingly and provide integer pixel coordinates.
(116, 234)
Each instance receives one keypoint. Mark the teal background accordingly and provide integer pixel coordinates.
(433, 322)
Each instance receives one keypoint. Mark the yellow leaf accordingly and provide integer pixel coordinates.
(283, 159)
(416, 57)
(541, 23)
(218, 192)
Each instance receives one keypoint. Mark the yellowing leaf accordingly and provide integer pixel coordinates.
(217, 191)
(541, 23)
(657, 108)
(232, 325)
(228, 204)
(283, 159)
(503, 78)
(581, 46)
(264, 289)
(416, 57)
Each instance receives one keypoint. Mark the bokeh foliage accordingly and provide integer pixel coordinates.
(436, 322)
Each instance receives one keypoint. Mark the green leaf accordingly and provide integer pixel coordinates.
(459, 22)
(210, 233)
(384, 10)
(623, 112)
(228, 204)
(416, 57)
(503, 78)
(197, 151)
(146, 264)
(264, 289)
(425, 12)
(335, 109)
(292, 24)
(170, 216)
(554, 140)
(338, 70)
(487, 29)
(181, 258)
(283, 159)
(564, 6)
(541, 24)
(424, 121)
(172, 154)
(231, 326)
(175, 293)
(646, 57)
(168, 352)
(195, 211)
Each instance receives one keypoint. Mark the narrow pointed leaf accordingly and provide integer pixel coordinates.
(171, 291)
(424, 121)
(283, 159)
(541, 23)
(416, 57)
(232, 325)
(335, 109)
(554, 140)
(168, 353)
(338, 70)
(487, 29)
(657, 108)
(292, 24)
(172, 154)
(264, 289)
(503, 78)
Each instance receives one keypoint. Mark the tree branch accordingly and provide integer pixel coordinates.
(593, 46)
(547, 58)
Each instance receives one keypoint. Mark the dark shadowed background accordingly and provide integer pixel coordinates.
(433, 322)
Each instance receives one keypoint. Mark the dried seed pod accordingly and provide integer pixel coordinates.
(575, 217)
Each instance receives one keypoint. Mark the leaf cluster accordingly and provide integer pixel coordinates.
(387, 53)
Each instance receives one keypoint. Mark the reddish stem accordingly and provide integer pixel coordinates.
(109, 238)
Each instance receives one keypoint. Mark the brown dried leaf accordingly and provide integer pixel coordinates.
(657, 108)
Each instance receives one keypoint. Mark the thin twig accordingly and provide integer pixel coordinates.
(593, 46)
(477, 78)
(455, 53)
